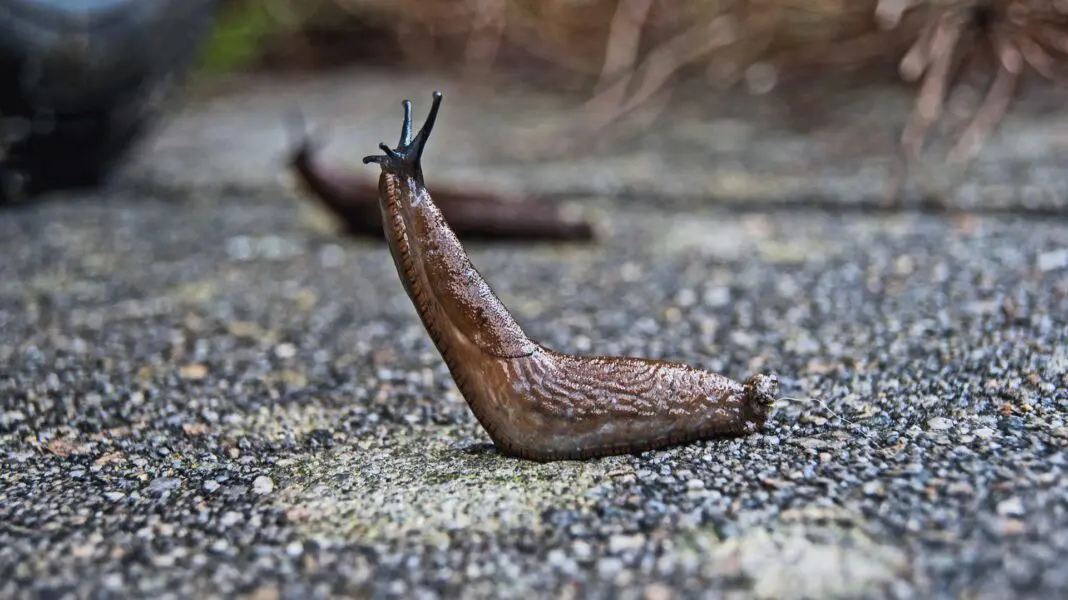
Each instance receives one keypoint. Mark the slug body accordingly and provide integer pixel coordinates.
(343, 194)
(475, 215)
(534, 402)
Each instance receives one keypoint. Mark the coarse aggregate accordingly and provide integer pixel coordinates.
(210, 396)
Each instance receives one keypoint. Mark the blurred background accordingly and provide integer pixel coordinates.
(626, 54)
(912, 85)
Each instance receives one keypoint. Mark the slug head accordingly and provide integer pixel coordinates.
(405, 159)
(303, 143)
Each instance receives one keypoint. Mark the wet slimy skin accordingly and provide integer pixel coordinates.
(534, 402)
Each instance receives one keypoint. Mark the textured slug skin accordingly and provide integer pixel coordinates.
(536, 403)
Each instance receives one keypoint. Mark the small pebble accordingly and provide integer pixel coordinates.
(1011, 507)
(163, 484)
(622, 543)
(1053, 260)
(874, 488)
(939, 424)
(262, 485)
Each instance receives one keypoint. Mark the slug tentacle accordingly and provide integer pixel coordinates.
(405, 160)
(406, 126)
(534, 402)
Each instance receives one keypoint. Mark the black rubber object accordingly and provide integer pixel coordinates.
(82, 80)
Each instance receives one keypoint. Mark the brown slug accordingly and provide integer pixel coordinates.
(534, 402)
(473, 214)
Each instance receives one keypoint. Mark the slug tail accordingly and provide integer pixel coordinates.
(761, 392)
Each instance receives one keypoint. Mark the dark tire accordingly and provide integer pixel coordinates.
(79, 86)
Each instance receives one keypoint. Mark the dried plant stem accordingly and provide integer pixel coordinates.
(658, 67)
(621, 51)
(937, 51)
(986, 119)
(1017, 33)
(487, 32)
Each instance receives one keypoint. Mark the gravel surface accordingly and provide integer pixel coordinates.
(208, 396)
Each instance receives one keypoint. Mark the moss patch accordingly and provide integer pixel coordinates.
(429, 486)
(238, 35)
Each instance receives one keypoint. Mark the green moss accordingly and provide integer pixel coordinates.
(238, 36)
(422, 486)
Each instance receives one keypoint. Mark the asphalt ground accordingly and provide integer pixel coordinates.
(204, 393)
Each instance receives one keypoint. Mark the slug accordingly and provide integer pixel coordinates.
(536, 403)
(348, 198)
(474, 214)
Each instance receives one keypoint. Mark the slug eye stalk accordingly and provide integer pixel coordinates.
(409, 152)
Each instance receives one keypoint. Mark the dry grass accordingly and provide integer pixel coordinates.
(1011, 36)
(628, 54)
